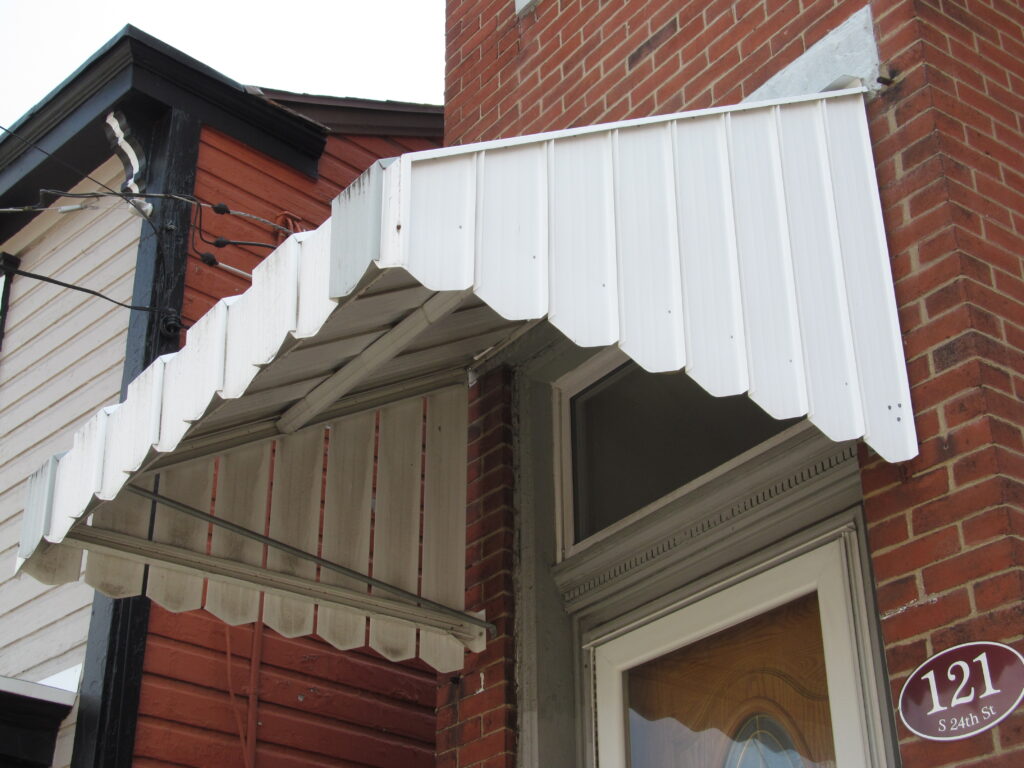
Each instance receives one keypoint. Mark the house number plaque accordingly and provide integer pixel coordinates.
(962, 691)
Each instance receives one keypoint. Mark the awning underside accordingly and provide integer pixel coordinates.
(301, 519)
(744, 244)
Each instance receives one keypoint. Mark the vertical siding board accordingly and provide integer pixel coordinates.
(444, 519)
(650, 297)
(441, 217)
(314, 304)
(397, 520)
(294, 520)
(583, 300)
(112, 575)
(79, 475)
(715, 341)
(191, 484)
(191, 374)
(774, 355)
(270, 307)
(133, 428)
(874, 322)
(242, 478)
(832, 385)
(512, 263)
(348, 504)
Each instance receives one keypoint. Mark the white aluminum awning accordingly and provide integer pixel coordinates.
(744, 244)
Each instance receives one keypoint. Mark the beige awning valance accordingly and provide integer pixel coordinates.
(303, 519)
(743, 244)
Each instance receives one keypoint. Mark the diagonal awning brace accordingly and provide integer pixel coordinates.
(464, 627)
(402, 594)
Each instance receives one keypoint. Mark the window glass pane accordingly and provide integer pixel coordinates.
(751, 696)
(637, 436)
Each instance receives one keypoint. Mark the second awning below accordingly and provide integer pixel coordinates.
(346, 528)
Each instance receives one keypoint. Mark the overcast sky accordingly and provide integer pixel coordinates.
(379, 49)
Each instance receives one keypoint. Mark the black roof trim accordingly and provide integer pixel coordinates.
(363, 116)
(28, 729)
(136, 64)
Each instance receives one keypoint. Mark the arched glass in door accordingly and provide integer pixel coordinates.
(751, 696)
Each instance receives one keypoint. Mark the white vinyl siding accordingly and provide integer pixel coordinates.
(62, 359)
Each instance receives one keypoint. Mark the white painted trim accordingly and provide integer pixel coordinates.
(37, 691)
(563, 391)
(69, 679)
(848, 51)
(824, 570)
(636, 122)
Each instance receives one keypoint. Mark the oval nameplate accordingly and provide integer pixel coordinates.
(962, 691)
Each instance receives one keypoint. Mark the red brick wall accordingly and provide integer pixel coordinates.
(945, 528)
(476, 708)
(579, 62)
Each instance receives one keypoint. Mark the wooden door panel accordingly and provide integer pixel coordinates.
(687, 707)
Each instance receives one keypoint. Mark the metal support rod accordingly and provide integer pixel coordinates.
(375, 355)
(186, 561)
(295, 552)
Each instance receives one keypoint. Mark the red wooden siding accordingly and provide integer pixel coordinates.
(246, 180)
(315, 705)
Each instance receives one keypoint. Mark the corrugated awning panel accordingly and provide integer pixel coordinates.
(383, 475)
(745, 244)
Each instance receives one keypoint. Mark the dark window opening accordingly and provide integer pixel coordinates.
(636, 436)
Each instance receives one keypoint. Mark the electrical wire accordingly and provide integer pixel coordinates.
(47, 209)
(211, 261)
(197, 217)
(72, 286)
(218, 208)
(130, 199)
(83, 174)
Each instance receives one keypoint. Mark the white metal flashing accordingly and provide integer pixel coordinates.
(848, 51)
(38, 691)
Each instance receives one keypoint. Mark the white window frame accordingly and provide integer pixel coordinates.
(563, 391)
(826, 570)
